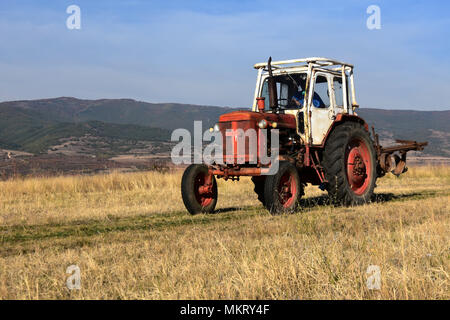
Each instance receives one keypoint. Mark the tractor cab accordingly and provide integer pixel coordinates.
(313, 90)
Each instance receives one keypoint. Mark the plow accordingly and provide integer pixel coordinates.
(393, 158)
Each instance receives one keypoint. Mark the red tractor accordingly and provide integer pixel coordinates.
(321, 140)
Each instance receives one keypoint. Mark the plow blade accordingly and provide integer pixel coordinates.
(393, 158)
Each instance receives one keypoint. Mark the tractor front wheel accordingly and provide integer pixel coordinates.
(282, 191)
(350, 164)
(198, 189)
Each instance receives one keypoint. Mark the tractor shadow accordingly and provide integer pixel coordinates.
(231, 209)
(386, 197)
(315, 202)
(325, 200)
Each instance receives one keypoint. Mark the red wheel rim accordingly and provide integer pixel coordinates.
(359, 166)
(287, 190)
(203, 189)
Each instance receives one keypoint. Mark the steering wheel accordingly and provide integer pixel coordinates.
(285, 104)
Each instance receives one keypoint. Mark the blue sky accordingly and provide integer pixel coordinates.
(202, 52)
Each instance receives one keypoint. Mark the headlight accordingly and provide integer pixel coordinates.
(216, 127)
(274, 124)
(262, 124)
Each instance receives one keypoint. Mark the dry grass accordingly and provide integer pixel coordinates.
(132, 238)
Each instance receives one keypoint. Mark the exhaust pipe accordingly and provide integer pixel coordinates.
(273, 98)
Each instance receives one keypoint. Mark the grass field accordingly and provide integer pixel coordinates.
(132, 238)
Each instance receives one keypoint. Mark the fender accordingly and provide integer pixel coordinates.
(340, 118)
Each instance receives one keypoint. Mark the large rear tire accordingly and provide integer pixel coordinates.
(282, 191)
(198, 196)
(350, 165)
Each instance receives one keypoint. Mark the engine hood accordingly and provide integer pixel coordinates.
(283, 120)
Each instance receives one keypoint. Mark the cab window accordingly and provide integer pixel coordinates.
(282, 94)
(265, 95)
(338, 91)
(321, 98)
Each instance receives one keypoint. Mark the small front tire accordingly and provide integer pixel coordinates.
(282, 191)
(199, 189)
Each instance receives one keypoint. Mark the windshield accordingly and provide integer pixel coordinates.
(288, 87)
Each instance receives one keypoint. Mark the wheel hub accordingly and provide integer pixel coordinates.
(287, 190)
(203, 190)
(358, 166)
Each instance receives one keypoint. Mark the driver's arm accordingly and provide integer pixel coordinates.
(297, 99)
(296, 102)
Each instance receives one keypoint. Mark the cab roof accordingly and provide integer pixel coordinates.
(306, 62)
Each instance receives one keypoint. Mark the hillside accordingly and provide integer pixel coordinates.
(36, 125)
(431, 126)
(36, 130)
(122, 111)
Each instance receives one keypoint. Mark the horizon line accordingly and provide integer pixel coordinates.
(195, 104)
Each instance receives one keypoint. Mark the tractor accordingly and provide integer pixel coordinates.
(311, 103)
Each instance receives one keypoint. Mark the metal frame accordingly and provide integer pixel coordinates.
(317, 61)
(345, 70)
(310, 66)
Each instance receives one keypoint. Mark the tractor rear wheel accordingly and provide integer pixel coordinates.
(350, 164)
(282, 191)
(198, 189)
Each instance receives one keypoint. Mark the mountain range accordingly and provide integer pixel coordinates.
(36, 126)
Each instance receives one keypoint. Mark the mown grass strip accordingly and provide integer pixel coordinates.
(92, 228)
(23, 235)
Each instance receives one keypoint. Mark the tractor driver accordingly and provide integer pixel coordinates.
(299, 99)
